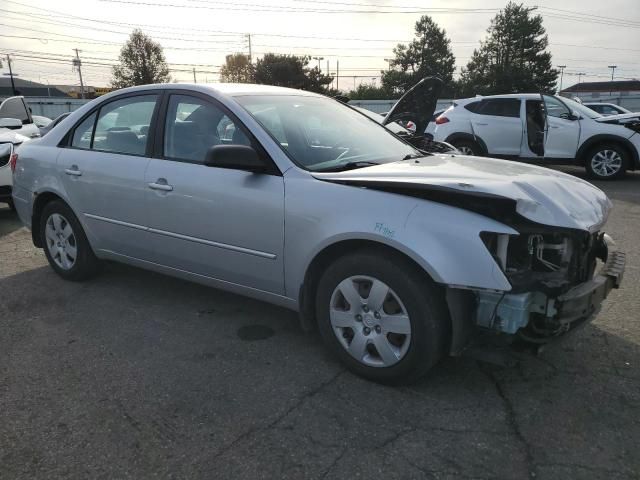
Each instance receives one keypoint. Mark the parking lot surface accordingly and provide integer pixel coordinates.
(138, 375)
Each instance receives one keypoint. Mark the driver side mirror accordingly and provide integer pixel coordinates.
(574, 115)
(10, 123)
(236, 157)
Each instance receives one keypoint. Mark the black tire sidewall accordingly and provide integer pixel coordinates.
(86, 263)
(420, 297)
(593, 151)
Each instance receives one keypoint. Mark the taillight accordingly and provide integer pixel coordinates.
(440, 120)
(13, 161)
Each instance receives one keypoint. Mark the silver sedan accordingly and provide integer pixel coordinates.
(397, 256)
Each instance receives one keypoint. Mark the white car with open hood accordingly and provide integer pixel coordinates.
(398, 256)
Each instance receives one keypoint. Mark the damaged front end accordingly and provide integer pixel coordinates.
(555, 287)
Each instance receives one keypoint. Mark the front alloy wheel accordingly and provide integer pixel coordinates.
(370, 321)
(382, 316)
(606, 162)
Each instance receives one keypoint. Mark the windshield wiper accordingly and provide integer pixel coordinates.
(411, 156)
(347, 166)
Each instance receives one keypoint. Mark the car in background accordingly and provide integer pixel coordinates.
(9, 142)
(53, 123)
(410, 115)
(41, 121)
(546, 128)
(399, 257)
(607, 109)
(16, 116)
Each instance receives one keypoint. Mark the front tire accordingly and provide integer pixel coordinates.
(65, 243)
(382, 317)
(607, 162)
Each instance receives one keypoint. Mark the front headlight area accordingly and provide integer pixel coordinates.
(540, 266)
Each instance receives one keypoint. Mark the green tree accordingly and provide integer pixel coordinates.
(290, 71)
(237, 69)
(141, 62)
(513, 57)
(367, 91)
(429, 54)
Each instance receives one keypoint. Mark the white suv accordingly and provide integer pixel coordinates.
(544, 127)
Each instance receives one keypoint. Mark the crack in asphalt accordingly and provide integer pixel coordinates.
(512, 422)
(299, 402)
(334, 463)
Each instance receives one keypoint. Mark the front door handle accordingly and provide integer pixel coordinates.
(482, 124)
(161, 184)
(74, 171)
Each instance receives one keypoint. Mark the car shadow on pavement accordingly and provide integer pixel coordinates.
(9, 221)
(121, 369)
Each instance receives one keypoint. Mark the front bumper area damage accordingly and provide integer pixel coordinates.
(540, 316)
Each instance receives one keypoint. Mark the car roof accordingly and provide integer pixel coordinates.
(526, 96)
(226, 89)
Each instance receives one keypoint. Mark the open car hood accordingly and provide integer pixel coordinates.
(512, 193)
(417, 104)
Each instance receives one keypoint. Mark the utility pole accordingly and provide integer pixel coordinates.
(78, 63)
(561, 67)
(194, 75)
(318, 59)
(13, 85)
(337, 74)
(328, 71)
(249, 40)
(613, 69)
(388, 60)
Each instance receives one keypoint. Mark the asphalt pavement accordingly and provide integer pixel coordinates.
(137, 375)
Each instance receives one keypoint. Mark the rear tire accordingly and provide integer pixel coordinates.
(607, 161)
(65, 243)
(468, 147)
(395, 340)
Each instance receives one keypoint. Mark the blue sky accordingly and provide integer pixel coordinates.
(586, 36)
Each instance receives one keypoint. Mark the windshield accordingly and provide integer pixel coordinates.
(320, 133)
(581, 109)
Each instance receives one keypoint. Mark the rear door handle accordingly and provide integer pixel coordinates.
(161, 184)
(74, 170)
(482, 124)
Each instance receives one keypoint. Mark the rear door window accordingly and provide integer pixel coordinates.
(123, 125)
(500, 107)
(82, 133)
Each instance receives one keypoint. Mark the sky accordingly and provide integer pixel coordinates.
(358, 35)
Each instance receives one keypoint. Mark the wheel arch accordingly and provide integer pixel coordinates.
(332, 252)
(596, 140)
(470, 138)
(40, 200)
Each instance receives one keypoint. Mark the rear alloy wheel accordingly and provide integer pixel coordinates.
(606, 162)
(382, 316)
(65, 243)
(467, 147)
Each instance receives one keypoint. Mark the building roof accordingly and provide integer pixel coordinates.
(28, 88)
(616, 86)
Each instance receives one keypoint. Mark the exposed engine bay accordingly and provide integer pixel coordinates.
(547, 271)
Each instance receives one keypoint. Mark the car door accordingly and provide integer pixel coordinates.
(221, 223)
(498, 123)
(103, 168)
(562, 129)
(15, 107)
